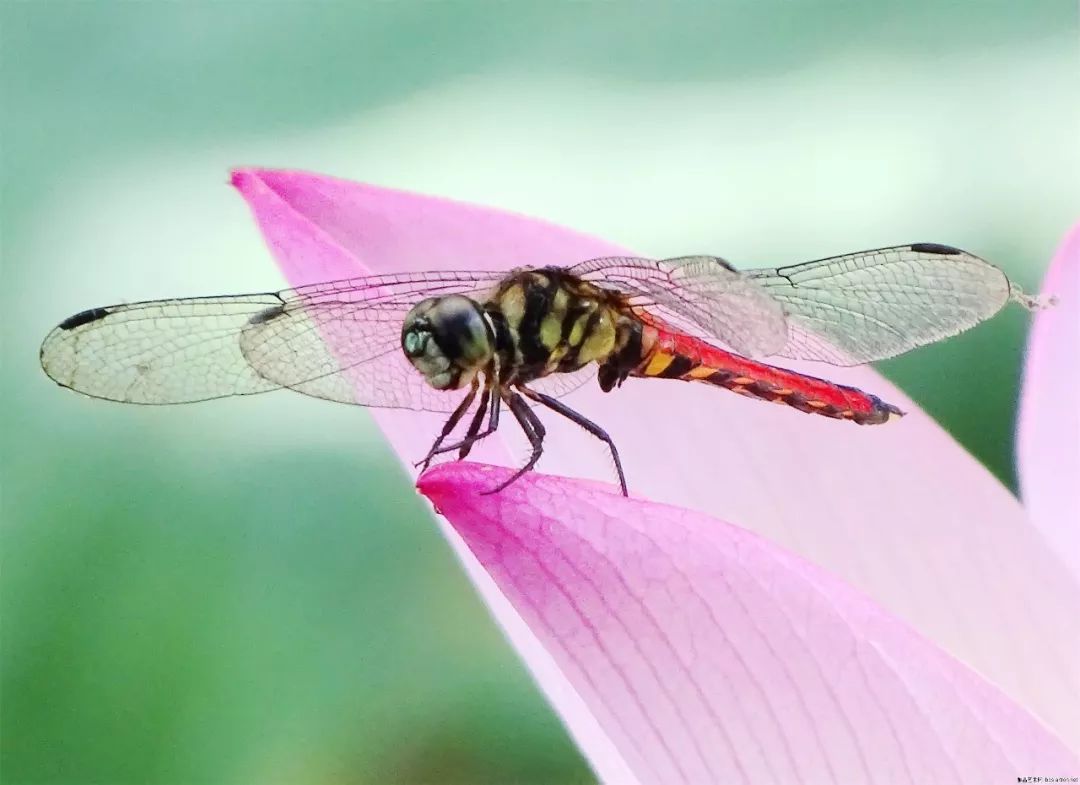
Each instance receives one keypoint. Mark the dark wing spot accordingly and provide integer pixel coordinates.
(724, 263)
(937, 248)
(262, 317)
(84, 317)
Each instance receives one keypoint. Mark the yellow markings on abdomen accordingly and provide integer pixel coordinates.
(658, 363)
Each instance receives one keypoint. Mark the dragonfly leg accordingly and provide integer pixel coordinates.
(451, 423)
(534, 432)
(561, 408)
(472, 438)
(471, 435)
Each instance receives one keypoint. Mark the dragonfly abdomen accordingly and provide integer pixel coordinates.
(670, 355)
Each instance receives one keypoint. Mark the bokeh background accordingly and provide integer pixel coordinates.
(250, 591)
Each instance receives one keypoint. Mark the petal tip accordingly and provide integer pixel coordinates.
(458, 481)
(243, 178)
(434, 482)
(453, 479)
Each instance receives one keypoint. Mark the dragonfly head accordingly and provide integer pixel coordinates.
(448, 339)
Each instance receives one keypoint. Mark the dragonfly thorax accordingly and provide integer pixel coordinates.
(448, 339)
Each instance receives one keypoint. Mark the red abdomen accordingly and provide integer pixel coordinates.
(673, 355)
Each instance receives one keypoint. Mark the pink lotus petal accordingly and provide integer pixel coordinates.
(1048, 444)
(900, 511)
(710, 655)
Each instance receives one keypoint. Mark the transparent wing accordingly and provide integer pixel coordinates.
(559, 384)
(844, 310)
(338, 341)
(870, 305)
(702, 295)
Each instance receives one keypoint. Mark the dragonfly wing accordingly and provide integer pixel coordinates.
(559, 384)
(168, 351)
(338, 341)
(342, 351)
(702, 295)
(871, 305)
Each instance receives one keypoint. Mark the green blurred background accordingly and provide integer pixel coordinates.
(249, 591)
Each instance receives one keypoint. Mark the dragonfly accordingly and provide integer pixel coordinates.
(477, 341)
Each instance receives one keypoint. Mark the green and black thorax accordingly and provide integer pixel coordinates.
(533, 324)
(550, 321)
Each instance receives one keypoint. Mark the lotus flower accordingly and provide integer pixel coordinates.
(1049, 438)
(935, 639)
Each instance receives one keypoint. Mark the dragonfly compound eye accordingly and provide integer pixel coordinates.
(414, 341)
(447, 339)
